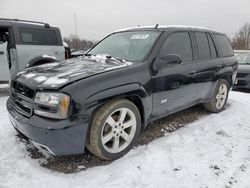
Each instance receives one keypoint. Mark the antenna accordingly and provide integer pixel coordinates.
(156, 26)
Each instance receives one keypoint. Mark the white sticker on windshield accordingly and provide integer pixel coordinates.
(139, 36)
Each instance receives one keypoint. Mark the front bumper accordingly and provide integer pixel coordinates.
(59, 137)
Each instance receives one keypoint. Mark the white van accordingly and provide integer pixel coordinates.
(27, 43)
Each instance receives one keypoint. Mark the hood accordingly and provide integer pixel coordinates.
(243, 68)
(57, 74)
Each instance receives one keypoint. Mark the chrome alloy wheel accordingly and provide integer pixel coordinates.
(118, 130)
(221, 96)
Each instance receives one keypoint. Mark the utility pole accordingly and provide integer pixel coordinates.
(75, 25)
(77, 43)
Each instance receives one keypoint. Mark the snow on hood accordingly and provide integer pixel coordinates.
(56, 74)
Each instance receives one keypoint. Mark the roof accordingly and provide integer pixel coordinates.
(8, 21)
(164, 27)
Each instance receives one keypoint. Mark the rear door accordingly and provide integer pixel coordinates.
(174, 86)
(209, 63)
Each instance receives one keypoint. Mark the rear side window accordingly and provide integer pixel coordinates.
(213, 52)
(225, 46)
(35, 36)
(202, 45)
(179, 43)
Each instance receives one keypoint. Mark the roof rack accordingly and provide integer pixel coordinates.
(46, 25)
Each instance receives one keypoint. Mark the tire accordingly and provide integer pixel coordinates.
(219, 99)
(111, 137)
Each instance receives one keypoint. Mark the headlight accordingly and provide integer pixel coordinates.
(57, 101)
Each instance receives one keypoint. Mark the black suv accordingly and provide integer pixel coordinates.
(104, 99)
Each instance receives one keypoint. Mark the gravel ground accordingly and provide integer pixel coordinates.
(76, 163)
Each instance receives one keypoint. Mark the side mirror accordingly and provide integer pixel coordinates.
(170, 59)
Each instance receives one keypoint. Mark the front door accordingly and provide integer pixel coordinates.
(4, 65)
(174, 86)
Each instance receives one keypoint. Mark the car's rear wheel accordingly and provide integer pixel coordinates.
(219, 100)
(115, 127)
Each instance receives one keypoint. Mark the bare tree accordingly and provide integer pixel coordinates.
(75, 42)
(241, 40)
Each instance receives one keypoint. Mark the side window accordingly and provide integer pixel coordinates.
(179, 43)
(225, 46)
(213, 52)
(35, 36)
(202, 45)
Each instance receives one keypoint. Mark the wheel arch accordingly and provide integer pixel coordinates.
(41, 60)
(227, 74)
(228, 77)
(136, 100)
(132, 92)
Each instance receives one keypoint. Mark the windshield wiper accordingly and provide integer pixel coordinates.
(88, 55)
(116, 58)
(108, 57)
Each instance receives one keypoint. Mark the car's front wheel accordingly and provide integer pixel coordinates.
(115, 127)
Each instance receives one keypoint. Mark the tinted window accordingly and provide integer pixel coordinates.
(202, 45)
(179, 43)
(213, 52)
(225, 46)
(34, 36)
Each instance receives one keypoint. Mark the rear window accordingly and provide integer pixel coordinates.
(225, 46)
(34, 36)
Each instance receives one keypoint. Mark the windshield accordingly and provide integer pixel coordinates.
(243, 58)
(131, 46)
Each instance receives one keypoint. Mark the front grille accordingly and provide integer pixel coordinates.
(24, 108)
(22, 97)
(22, 89)
(21, 108)
(242, 75)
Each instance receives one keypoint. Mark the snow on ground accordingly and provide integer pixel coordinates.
(212, 152)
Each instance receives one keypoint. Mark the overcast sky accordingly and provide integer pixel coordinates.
(97, 18)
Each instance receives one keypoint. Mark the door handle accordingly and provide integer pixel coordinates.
(56, 53)
(193, 72)
(218, 67)
(1, 52)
